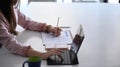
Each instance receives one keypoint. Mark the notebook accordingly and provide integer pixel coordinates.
(69, 57)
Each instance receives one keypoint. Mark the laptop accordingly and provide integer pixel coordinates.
(69, 57)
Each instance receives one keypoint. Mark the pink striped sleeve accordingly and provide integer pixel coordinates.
(27, 23)
(9, 41)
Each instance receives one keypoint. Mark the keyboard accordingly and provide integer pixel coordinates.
(65, 58)
(68, 58)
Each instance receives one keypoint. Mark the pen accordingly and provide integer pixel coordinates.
(58, 21)
(61, 26)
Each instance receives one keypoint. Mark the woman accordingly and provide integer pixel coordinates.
(9, 18)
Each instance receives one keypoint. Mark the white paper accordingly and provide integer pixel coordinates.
(63, 46)
(64, 39)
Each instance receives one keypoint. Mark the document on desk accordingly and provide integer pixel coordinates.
(50, 40)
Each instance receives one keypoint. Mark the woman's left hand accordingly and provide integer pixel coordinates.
(51, 52)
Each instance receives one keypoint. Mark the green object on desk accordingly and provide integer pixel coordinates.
(34, 59)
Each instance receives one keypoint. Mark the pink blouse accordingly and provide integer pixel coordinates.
(8, 40)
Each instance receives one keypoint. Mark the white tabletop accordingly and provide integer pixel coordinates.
(101, 24)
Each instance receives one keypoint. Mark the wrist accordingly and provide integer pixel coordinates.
(44, 56)
(44, 27)
(49, 28)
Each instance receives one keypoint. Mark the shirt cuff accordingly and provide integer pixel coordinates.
(25, 50)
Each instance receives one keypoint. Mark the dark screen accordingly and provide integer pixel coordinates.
(77, 41)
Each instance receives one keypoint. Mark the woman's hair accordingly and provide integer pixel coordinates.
(6, 7)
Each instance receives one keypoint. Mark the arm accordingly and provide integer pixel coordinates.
(9, 41)
(32, 52)
(27, 23)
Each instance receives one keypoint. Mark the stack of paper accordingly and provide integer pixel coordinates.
(62, 41)
(60, 46)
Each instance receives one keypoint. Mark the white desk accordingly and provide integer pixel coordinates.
(101, 24)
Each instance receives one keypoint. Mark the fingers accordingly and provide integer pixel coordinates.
(52, 52)
(55, 51)
(48, 28)
(57, 31)
(58, 53)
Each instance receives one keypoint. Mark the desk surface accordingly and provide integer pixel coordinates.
(101, 25)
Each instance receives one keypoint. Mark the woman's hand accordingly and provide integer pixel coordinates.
(32, 52)
(56, 31)
(50, 53)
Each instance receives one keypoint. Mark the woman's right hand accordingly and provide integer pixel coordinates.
(50, 53)
(50, 29)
